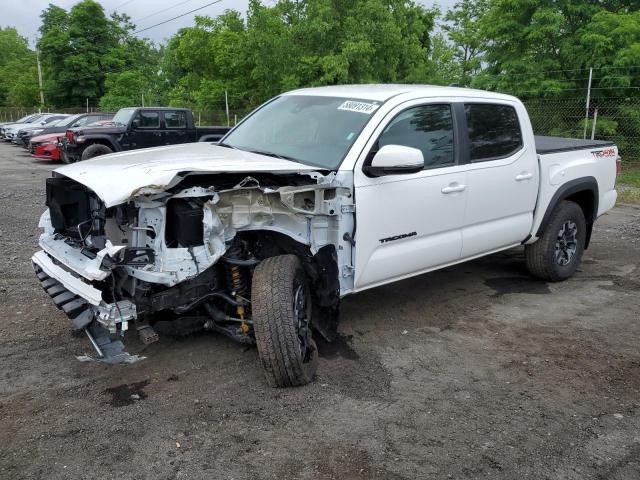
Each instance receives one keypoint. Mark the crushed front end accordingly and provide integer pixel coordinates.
(180, 259)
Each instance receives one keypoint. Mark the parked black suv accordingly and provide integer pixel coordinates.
(134, 128)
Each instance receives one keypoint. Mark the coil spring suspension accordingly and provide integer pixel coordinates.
(237, 283)
(236, 280)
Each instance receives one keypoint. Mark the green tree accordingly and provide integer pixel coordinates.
(54, 47)
(294, 44)
(82, 46)
(544, 47)
(463, 30)
(127, 89)
(443, 58)
(18, 73)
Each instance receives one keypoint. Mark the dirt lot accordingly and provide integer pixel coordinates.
(476, 371)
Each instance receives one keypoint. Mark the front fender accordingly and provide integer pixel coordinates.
(103, 139)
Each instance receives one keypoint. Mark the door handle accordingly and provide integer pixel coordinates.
(524, 176)
(453, 188)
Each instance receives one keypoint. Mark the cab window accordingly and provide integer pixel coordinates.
(148, 119)
(494, 131)
(175, 119)
(428, 128)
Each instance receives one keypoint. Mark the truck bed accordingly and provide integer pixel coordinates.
(545, 145)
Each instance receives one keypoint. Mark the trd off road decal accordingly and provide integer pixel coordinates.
(398, 237)
(607, 152)
(360, 107)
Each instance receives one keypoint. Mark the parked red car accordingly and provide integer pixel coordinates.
(46, 146)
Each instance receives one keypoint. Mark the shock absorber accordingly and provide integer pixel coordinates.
(236, 281)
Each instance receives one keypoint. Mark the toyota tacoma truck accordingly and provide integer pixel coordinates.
(135, 128)
(318, 194)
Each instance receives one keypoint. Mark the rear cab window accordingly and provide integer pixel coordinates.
(493, 131)
(175, 119)
(149, 119)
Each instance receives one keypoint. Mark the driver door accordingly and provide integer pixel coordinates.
(411, 223)
(144, 131)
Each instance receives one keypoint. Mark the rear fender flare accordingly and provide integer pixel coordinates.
(583, 184)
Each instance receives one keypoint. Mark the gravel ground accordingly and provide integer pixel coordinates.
(476, 371)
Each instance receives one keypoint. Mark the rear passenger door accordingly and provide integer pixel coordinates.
(502, 177)
(175, 128)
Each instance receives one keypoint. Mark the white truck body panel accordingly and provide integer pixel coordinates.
(405, 224)
(119, 176)
(558, 169)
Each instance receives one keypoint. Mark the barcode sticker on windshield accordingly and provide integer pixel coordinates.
(360, 107)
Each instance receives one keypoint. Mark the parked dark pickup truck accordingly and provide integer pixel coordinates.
(134, 128)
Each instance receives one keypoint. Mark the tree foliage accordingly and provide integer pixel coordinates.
(531, 48)
(463, 29)
(544, 47)
(80, 47)
(18, 72)
(295, 44)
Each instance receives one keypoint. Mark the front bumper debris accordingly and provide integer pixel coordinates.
(88, 313)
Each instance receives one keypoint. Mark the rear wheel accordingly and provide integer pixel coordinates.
(95, 150)
(558, 252)
(281, 313)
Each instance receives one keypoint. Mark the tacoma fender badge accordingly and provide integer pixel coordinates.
(398, 237)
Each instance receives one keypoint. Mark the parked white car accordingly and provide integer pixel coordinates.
(318, 194)
(26, 119)
(10, 131)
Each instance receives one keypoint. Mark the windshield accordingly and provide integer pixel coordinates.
(33, 119)
(123, 116)
(309, 129)
(25, 119)
(52, 120)
(65, 122)
(60, 122)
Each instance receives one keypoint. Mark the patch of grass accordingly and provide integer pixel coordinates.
(628, 183)
(630, 174)
(628, 194)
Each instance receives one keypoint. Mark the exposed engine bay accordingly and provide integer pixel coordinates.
(181, 259)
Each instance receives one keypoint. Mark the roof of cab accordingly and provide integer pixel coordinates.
(383, 92)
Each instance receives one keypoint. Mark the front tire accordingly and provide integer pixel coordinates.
(95, 150)
(281, 313)
(558, 252)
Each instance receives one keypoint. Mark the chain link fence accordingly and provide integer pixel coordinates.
(618, 119)
(615, 119)
(201, 117)
(11, 114)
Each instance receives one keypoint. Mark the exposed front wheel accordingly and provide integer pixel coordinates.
(558, 252)
(281, 313)
(95, 150)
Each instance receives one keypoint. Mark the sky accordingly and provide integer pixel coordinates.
(24, 14)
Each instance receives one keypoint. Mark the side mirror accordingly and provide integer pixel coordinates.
(135, 123)
(395, 160)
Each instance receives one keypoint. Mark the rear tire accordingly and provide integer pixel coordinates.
(281, 313)
(558, 252)
(95, 150)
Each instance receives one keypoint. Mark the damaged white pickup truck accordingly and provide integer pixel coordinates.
(317, 194)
